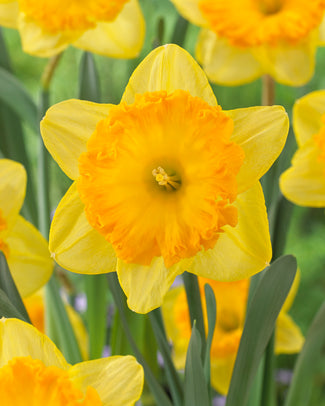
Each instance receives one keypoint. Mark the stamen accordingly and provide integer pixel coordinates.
(171, 182)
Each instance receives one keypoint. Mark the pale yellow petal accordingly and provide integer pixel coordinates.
(241, 251)
(169, 67)
(304, 182)
(307, 115)
(288, 337)
(36, 41)
(118, 380)
(292, 292)
(223, 63)
(66, 129)
(29, 257)
(9, 12)
(190, 10)
(289, 64)
(74, 244)
(122, 38)
(221, 372)
(20, 339)
(262, 133)
(146, 286)
(12, 190)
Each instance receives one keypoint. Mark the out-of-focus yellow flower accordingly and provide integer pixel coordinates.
(33, 371)
(304, 182)
(231, 300)
(24, 247)
(36, 310)
(113, 28)
(165, 182)
(241, 40)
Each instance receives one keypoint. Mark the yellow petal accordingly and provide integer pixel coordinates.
(288, 337)
(29, 257)
(146, 286)
(169, 67)
(117, 380)
(304, 182)
(243, 250)
(292, 293)
(20, 339)
(122, 38)
(307, 115)
(66, 129)
(261, 132)
(322, 33)
(221, 372)
(191, 11)
(9, 12)
(74, 244)
(225, 64)
(291, 65)
(12, 189)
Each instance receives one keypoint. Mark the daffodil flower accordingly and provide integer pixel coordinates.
(231, 300)
(241, 40)
(112, 28)
(34, 372)
(24, 247)
(164, 182)
(304, 182)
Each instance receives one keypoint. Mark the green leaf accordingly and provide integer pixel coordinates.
(212, 317)
(7, 309)
(262, 313)
(96, 315)
(9, 289)
(302, 381)
(89, 86)
(14, 95)
(195, 386)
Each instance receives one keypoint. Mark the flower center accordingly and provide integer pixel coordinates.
(248, 23)
(26, 381)
(55, 16)
(183, 165)
(320, 141)
(3, 226)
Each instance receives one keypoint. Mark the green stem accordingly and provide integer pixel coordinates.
(268, 392)
(195, 306)
(180, 31)
(173, 379)
(120, 302)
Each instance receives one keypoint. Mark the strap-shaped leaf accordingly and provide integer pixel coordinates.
(212, 317)
(89, 88)
(195, 386)
(301, 385)
(262, 313)
(9, 290)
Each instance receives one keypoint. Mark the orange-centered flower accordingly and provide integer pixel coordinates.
(25, 381)
(33, 372)
(171, 156)
(241, 40)
(165, 182)
(247, 23)
(113, 28)
(304, 182)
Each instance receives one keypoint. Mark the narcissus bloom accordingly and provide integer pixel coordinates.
(231, 300)
(241, 40)
(113, 28)
(304, 182)
(24, 247)
(34, 372)
(165, 182)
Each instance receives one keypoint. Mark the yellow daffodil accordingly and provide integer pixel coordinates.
(231, 300)
(241, 40)
(164, 182)
(35, 307)
(113, 28)
(304, 182)
(24, 247)
(34, 372)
